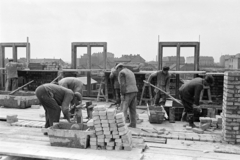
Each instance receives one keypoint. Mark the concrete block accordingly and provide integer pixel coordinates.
(12, 118)
(104, 121)
(111, 121)
(35, 106)
(109, 148)
(204, 126)
(103, 113)
(93, 147)
(197, 130)
(90, 123)
(103, 117)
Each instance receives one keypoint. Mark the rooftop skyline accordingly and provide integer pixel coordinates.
(128, 27)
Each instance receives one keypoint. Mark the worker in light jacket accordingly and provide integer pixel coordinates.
(128, 91)
(54, 99)
(163, 81)
(12, 75)
(73, 83)
(190, 95)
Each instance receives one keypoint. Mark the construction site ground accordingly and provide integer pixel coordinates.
(24, 140)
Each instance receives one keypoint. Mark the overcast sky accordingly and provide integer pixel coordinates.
(128, 27)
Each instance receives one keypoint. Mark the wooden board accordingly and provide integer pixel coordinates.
(63, 153)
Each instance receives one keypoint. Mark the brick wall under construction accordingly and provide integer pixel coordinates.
(231, 108)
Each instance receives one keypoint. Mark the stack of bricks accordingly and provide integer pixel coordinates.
(111, 132)
(231, 108)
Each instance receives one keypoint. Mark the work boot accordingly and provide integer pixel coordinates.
(191, 120)
(132, 125)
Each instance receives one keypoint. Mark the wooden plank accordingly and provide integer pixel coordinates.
(194, 154)
(63, 153)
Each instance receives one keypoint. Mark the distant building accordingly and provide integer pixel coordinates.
(233, 62)
(223, 58)
(45, 63)
(203, 60)
(97, 60)
(170, 60)
(133, 59)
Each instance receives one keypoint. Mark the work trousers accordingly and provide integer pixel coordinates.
(52, 109)
(11, 84)
(117, 95)
(188, 106)
(157, 98)
(130, 102)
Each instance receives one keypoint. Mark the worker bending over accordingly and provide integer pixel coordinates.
(128, 91)
(72, 83)
(55, 98)
(12, 75)
(163, 81)
(190, 95)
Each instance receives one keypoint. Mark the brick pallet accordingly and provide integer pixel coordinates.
(111, 132)
(231, 108)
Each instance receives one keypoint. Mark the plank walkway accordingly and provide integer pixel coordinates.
(31, 143)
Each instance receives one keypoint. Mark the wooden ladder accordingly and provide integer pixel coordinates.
(150, 95)
(100, 91)
(208, 93)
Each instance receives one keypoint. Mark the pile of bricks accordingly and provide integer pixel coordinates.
(111, 132)
(231, 108)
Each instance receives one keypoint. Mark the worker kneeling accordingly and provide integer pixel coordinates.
(190, 95)
(55, 98)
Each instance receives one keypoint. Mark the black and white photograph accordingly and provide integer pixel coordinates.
(119, 80)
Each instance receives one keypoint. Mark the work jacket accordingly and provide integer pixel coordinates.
(11, 69)
(114, 76)
(163, 81)
(127, 81)
(190, 91)
(72, 83)
(61, 95)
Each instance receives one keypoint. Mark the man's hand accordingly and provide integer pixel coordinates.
(198, 108)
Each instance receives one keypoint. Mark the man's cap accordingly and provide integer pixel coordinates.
(209, 79)
(166, 68)
(78, 95)
(120, 64)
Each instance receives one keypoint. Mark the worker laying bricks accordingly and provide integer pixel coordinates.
(114, 77)
(12, 75)
(73, 84)
(190, 94)
(128, 90)
(55, 98)
(163, 81)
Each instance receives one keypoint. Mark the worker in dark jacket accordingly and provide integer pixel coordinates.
(114, 76)
(128, 91)
(190, 96)
(163, 81)
(55, 98)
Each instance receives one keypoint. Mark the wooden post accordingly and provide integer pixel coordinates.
(14, 52)
(89, 72)
(2, 65)
(28, 52)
